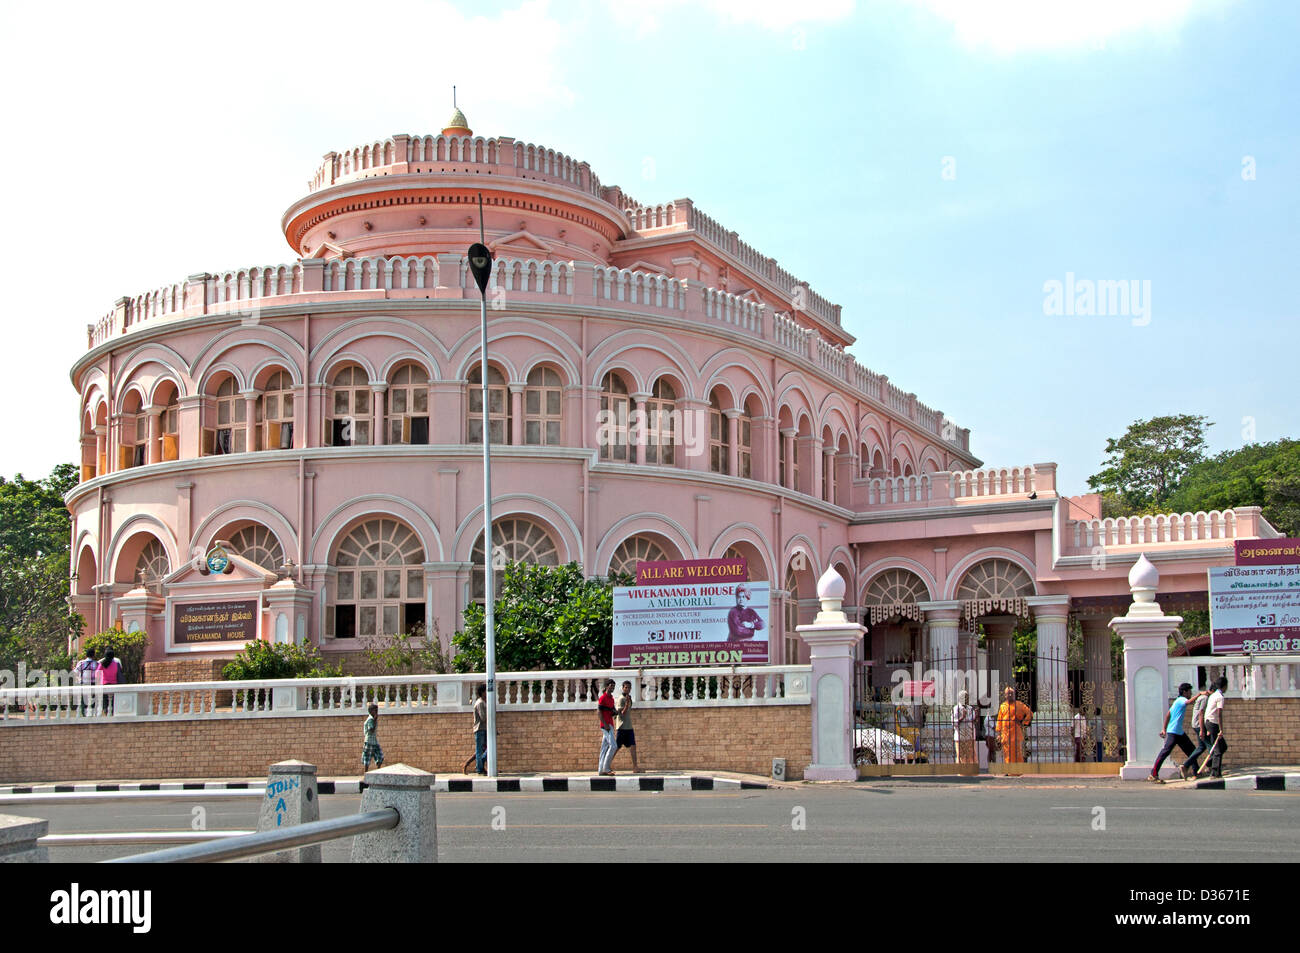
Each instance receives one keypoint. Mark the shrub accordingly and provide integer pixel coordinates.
(263, 660)
(128, 647)
(396, 655)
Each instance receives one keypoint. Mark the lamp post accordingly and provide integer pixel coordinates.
(480, 266)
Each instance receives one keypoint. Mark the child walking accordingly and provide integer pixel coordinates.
(371, 750)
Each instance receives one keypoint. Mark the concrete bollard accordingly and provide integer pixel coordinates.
(18, 837)
(415, 838)
(291, 799)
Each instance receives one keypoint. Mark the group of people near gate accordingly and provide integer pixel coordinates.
(1007, 730)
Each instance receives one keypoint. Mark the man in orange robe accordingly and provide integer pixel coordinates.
(1013, 719)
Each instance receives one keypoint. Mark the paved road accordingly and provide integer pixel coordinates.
(885, 821)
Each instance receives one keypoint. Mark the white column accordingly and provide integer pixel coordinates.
(732, 418)
(1051, 615)
(1145, 630)
(251, 428)
(637, 451)
(1096, 650)
(153, 453)
(517, 414)
(379, 423)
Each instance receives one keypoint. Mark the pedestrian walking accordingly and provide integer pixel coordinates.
(479, 758)
(1080, 734)
(1173, 733)
(1214, 727)
(606, 709)
(84, 673)
(1198, 727)
(1098, 732)
(624, 736)
(370, 750)
(109, 672)
(963, 728)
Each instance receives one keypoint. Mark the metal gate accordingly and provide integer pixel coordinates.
(910, 721)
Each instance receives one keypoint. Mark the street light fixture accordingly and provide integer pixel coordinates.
(480, 266)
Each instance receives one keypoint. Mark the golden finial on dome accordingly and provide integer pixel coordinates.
(457, 125)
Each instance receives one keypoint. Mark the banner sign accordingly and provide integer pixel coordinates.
(666, 572)
(1267, 552)
(202, 623)
(704, 624)
(1254, 609)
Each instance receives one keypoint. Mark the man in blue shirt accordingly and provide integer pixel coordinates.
(1173, 733)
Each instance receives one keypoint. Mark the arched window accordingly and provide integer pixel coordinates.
(615, 407)
(151, 566)
(791, 618)
(661, 423)
(513, 541)
(828, 467)
(543, 400)
(408, 405)
(276, 405)
(379, 589)
(719, 434)
(498, 407)
(258, 544)
(135, 434)
(230, 435)
(744, 444)
(349, 402)
(635, 549)
(170, 425)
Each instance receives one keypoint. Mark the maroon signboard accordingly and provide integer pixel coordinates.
(682, 572)
(205, 623)
(1267, 552)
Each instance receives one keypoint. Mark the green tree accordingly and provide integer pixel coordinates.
(1143, 468)
(546, 617)
(1266, 475)
(35, 619)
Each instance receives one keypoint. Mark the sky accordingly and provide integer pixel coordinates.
(960, 175)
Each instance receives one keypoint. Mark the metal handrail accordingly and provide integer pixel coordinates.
(265, 842)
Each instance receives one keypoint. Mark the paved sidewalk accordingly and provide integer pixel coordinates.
(1253, 778)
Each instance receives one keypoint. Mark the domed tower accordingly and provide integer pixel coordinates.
(418, 195)
(457, 125)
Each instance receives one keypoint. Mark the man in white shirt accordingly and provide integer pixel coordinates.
(1214, 727)
(1080, 725)
(1202, 744)
(963, 728)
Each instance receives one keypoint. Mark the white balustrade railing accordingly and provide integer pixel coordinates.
(518, 691)
(882, 491)
(1161, 528)
(994, 481)
(1249, 676)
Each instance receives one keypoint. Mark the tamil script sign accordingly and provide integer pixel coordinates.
(699, 624)
(1267, 552)
(203, 623)
(665, 572)
(1255, 609)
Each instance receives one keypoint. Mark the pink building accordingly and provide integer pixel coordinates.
(658, 389)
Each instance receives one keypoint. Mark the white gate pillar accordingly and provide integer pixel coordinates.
(1145, 630)
(832, 642)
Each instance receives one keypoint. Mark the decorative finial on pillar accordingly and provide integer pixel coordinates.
(1143, 580)
(830, 590)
